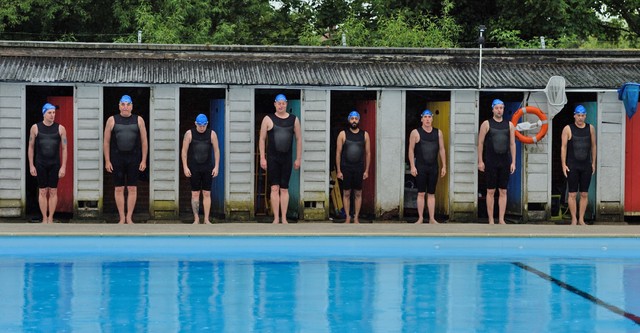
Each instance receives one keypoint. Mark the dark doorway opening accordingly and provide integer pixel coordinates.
(36, 97)
(342, 103)
(194, 101)
(140, 97)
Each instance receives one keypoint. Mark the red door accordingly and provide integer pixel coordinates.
(367, 110)
(632, 167)
(64, 116)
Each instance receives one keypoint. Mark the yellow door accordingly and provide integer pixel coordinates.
(441, 111)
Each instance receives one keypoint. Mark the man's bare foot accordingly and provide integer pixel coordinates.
(129, 221)
(284, 221)
(121, 222)
(356, 220)
(196, 222)
(491, 222)
(502, 222)
(419, 221)
(574, 222)
(347, 220)
(582, 223)
(207, 222)
(434, 222)
(276, 221)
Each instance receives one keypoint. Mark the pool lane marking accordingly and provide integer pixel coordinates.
(579, 292)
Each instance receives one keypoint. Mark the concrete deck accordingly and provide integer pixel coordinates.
(14, 228)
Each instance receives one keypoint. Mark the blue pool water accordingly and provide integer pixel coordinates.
(319, 284)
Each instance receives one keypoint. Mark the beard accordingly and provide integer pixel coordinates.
(354, 125)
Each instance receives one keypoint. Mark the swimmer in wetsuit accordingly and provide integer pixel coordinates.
(497, 158)
(125, 155)
(578, 157)
(46, 139)
(275, 157)
(199, 165)
(425, 145)
(353, 158)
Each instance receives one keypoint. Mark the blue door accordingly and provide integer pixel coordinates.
(217, 185)
(515, 188)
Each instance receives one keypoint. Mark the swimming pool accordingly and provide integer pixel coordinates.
(319, 284)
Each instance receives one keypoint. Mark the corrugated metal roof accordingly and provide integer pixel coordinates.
(308, 66)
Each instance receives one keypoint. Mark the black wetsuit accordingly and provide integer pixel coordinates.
(47, 155)
(200, 160)
(579, 158)
(497, 154)
(125, 154)
(352, 160)
(279, 159)
(426, 155)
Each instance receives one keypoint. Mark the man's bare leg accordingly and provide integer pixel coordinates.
(584, 201)
(431, 205)
(571, 200)
(119, 195)
(490, 201)
(346, 204)
(284, 204)
(502, 205)
(132, 196)
(53, 203)
(195, 206)
(275, 203)
(43, 203)
(420, 207)
(206, 204)
(358, 203)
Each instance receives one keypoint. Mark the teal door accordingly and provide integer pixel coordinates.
(592, 119)
(294, 183)
(217, 185)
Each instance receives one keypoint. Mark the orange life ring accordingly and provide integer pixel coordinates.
(543, 129)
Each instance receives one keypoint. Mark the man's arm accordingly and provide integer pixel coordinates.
(266, 125)
(186, 141)
(413, 139)
(298, 132)
(339, 144)
(33, 133)
(594, 149)
(216, 154)
(144, 143)
(107, 144)
(566, 136)
(63, 144)
(512, 147)
(443, 154)
(367, 152)
(484, 128)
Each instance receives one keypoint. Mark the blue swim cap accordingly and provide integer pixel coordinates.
(496, 102)
(47, 107)
(201, 119)
(353, 114)
(580, 110)
(426, 112)
(281, 97)
(125, 99)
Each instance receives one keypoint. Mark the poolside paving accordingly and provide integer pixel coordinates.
(328, 228)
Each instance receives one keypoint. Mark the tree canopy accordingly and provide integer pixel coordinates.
(373, 23)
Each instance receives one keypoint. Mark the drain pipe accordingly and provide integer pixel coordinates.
(482, 28)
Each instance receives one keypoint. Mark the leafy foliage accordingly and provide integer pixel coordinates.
(372, 23)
